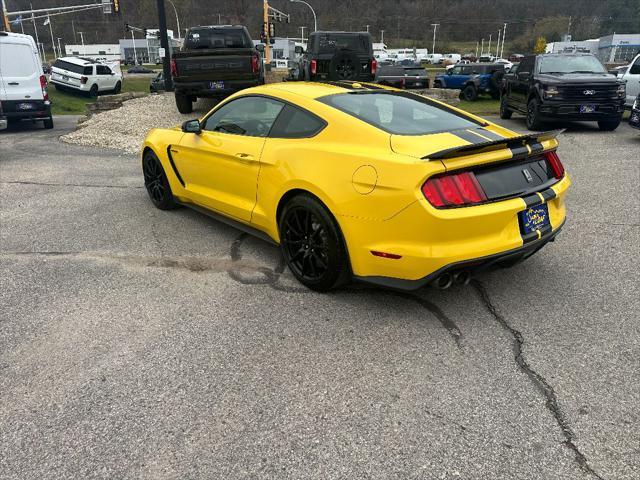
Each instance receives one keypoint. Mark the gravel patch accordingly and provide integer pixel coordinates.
(126, 127)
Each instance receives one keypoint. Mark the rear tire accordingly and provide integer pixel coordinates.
(312, 244)
(184, 103)
(48, 123)
(117, 88)
(533, 116)
(437, 84)
(469, 93)
(156, 183)
(609, 125)
(93, 91)
(505, 113)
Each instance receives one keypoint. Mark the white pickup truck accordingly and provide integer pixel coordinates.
(632, 79)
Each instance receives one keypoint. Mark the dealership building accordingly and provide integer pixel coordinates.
(614, 48)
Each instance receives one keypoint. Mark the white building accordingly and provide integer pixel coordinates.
(615, 48)
(102, 51)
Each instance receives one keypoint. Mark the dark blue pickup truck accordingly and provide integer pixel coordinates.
(472, 79)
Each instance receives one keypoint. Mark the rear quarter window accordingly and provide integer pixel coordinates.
(17, 60)
(72, 67)
(296, 123)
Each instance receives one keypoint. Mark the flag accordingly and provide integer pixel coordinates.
(46, 22)
(17, 21)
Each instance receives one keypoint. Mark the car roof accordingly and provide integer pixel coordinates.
(77, 60)
(315, 90)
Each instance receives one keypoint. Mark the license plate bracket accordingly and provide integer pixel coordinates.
(216, 85)
(26, 106)
(587, 108)
(534, 218)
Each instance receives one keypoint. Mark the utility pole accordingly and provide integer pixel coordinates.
(489, 47)
(381, 36)
(5, 19)
(302, 34)
(569, 27)
(482, 48)
(504, 32)
(59, 48)
(498, 44)
(53, 43)
(82, 37)
(477, 43)
(133, 40)
(367, 28)
(265, 22)
(164, 43)
(433, 47)
(35, 27)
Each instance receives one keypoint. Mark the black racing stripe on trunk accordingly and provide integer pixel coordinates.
(173, 165)
(532, 200)
(519, 152)
(469, 137)
(489, 134)
(530, 237)
(548, 194)
(536, 147)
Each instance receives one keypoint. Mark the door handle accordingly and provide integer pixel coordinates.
(245, 157)
(14, 83)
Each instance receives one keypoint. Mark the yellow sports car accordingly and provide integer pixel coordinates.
(358, 181)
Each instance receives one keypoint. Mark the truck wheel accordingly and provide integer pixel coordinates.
(93, 91)
(505, 113)
(184, 104)
(469, 93)
(609, 125)
(437, 84)
(533, 116)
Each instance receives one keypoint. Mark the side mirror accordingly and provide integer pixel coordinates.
(260, 47)
(192, 126)
(299, 50)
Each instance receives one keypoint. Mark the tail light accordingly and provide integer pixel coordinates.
(174, 68)
(83, 80)
(313, 66)
(455, 190)
(374, 66)
(556, 165)
(43, 85)
(255, 64)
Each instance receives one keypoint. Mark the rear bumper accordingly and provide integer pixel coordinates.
(508, 258)
(203, 89)
(39, 110)
(571, 111)
(432, 241)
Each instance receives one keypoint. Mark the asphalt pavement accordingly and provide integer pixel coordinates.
(137, 343)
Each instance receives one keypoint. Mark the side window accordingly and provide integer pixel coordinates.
(635, 68)
(527, 65)
(102, 70)
(250, 116)
(296, 123)
(87, 71)
(456, 71)
(467, 70)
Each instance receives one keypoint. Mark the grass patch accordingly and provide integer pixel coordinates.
(482, 106)
(70, 103)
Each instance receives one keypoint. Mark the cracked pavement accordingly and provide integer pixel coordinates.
(136, 343)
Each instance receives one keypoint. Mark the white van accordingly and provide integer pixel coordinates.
(632, 79)
(23, 92)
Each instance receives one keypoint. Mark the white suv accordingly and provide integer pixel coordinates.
(85, 75)
(632, 78)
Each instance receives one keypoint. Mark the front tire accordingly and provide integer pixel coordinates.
(184, 103)
(533, 116)
(609, 125)
(505, 113)
(156, 183)
(312, 244)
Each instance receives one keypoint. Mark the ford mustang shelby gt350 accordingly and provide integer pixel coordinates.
(358, 181)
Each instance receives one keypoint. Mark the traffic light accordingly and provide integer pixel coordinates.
(126, 27)
(272, 30)
(116, 6)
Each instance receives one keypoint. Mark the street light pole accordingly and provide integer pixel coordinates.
(59, 47)
(433, 47)
(302, 34)
(504, 32)
(81, 38)
(315, 20)
(176, 12)
(381, 36)
(164, 43)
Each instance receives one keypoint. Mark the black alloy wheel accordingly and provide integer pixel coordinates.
(345, 68)
(156, 183)
(533, 117)
(312, 244)
(505, 113)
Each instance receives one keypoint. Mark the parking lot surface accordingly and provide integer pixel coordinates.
(138, 343)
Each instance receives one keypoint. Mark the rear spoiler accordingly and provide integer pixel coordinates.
(518, 146)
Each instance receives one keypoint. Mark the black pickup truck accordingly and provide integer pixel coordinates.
(214, 62)
(339, 56)
(571, 87)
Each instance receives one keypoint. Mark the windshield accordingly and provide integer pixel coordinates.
(217, 38)
(398, 112)
(571, 64)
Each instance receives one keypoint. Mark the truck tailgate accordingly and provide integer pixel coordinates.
(215, 64)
